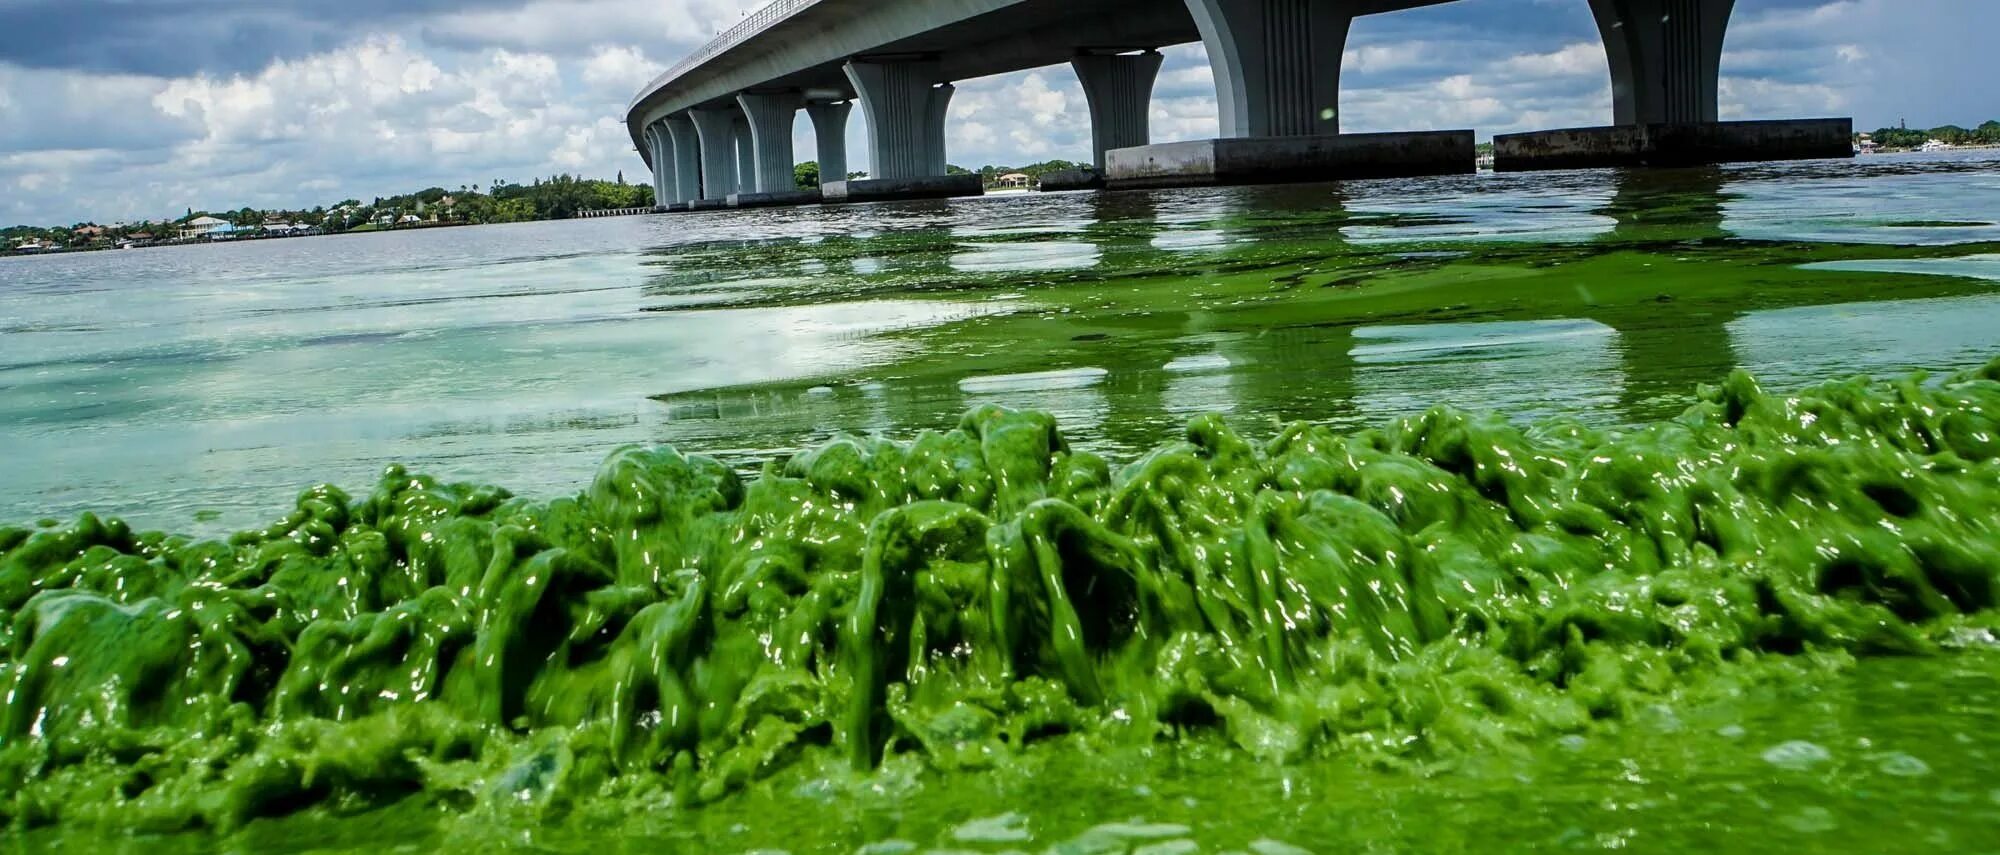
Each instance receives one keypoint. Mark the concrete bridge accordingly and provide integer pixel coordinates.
(717, 127)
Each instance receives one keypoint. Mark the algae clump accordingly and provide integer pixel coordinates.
(1447, 582)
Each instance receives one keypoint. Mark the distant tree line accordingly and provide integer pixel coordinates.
(1986, 134)
(554, 198)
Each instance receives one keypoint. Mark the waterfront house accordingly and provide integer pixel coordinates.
(206, 227)
(1014, 179)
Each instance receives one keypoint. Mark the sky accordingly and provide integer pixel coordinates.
(117, 110)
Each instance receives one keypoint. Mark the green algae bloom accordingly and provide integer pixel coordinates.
(1448, 583)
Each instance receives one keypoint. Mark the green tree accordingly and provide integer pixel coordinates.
(806, 175)
(1951, 133)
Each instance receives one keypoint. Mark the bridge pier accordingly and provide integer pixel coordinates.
(660, 153)
(1665, 59)
(771, 116)
(746, 153)
(686, 150)
(904, 103)
(1277, 85)
(1276, 64)
(773, 178)
(715, 126)
(829, 120)
(1119, 90)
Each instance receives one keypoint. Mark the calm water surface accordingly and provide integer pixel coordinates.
(220, 380)
(200, 388)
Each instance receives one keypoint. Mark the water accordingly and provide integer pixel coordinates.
(200, 388)
(220, 380)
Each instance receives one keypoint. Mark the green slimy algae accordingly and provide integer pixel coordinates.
(1447, 583)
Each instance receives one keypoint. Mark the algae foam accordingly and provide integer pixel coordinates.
(1444, 583)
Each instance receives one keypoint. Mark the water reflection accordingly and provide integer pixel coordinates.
(157, 383)
(1527, 369)
(1666, 346)
(1122, 391)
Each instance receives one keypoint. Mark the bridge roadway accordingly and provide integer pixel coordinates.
(716, 129)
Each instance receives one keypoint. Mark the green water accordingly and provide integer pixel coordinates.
(1601, 625)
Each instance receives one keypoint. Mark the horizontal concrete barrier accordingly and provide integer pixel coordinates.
(1071, 179)
(891, 189)
(772, 200)
(1270, 160)
(1674, 144)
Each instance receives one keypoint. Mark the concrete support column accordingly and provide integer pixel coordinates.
(771, 118)
(686, 149)
(904, 109)
(649, 142)
(662, 151)
(1276, 62)
(716, 126)
(1665, 57)
(940, 106)
(1119, 89)
(746, 154)
(829, 120)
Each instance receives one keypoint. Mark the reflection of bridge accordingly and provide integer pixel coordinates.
(719, 123)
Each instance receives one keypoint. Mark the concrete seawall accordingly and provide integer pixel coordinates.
(1270, 160)
(1673, 144)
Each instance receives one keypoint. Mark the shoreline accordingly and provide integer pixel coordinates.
(73, 250)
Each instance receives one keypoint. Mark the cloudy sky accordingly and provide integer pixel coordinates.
(123, 109)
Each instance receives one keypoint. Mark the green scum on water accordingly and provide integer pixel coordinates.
(1449, 583)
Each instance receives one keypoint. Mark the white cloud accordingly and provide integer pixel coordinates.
(619, 69)
(567, 26)
(1580, 59)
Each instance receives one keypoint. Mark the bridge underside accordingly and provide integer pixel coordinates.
(1277, 72)
(1010, 36)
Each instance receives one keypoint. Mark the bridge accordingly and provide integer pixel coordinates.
(716, 128)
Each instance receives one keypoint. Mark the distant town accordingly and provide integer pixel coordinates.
(566, 196)
(557, 197)
(1940, 138)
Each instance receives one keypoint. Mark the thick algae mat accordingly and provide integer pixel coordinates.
(983, 605)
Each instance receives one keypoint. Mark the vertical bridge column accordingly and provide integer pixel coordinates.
(896, 103)
(1276, 63)
(829, 120)
(746, 153)
(771, 117)
(659, 153)
(1277, 87)
(716, 127)
(938, 107)
(1665, 59)
(1119, 89)
(686, 151)
(1665, 56)
(904, 103)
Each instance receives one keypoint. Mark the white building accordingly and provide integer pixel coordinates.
(201, 227)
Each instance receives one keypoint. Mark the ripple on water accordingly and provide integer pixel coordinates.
(1064, 378)
(1903, 765)
(1797, 755)
(1005, 828)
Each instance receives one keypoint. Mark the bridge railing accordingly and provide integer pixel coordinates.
(752, 24)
